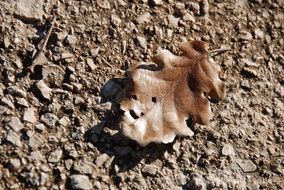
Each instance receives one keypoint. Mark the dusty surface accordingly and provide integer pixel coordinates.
(58, 132)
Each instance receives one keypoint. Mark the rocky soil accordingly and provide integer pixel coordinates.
(57, 114)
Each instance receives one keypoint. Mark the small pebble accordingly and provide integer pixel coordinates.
(14, 138)
(49, 119)
(29, 116)
(228, 150)
(71, 40)
(247, 165)
(81, 182)
(16, 124)
(44, 89)
(55, 156)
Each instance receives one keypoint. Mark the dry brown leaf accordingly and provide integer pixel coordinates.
(164, 93)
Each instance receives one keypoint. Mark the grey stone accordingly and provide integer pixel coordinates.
(64, 121)
(29, 10)
(34, 101)
(18, 63)
(43, 178)
(16, 124)
(71, 40)
(40, 59)
(83, 166)
(29, 133)
(1, 90)
(150, 170)
(142, 42)
(80, 28)
(23, 102)
(14, 138)
(36, 156)
(156, 2)
(115, 20)
(103, 107)
(55, 156)
(6, 42)
(14, 90)
(180, 5)
(77, 87)
(253, 185)
(121, 3)
(144, 18)
(258, 33)
(197, 183)
(44, 89)
(194, 7)
(78, 100)
(81, 182)
(245, 36)
(176, 147)
(158, 32)
(35, 141)
(228, 150)
(40, 127)
(7, 102)
(49, 119)
(71, 150)
(71, 69)
(173, 21)
(181, 178)
(73, 153)
(130, 27)
(245, 84)
(104, 4)
(247, 165)
(61, 35)
(68, 164)
(29, 116)
(14, 163)
(67, 56)
(54, 107)
(109, 162)
(188, 17)
(204, 8)
(72, 78)
(3, 109)
(90, 62)
(101, 159)
(68, 106)
(95, 52)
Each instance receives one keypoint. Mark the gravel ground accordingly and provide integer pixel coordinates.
(59, 125)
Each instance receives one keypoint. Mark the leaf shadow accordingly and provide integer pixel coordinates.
(127, 153)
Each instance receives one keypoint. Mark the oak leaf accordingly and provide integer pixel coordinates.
(163, 94)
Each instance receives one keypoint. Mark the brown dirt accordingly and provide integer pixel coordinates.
(75, 129)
